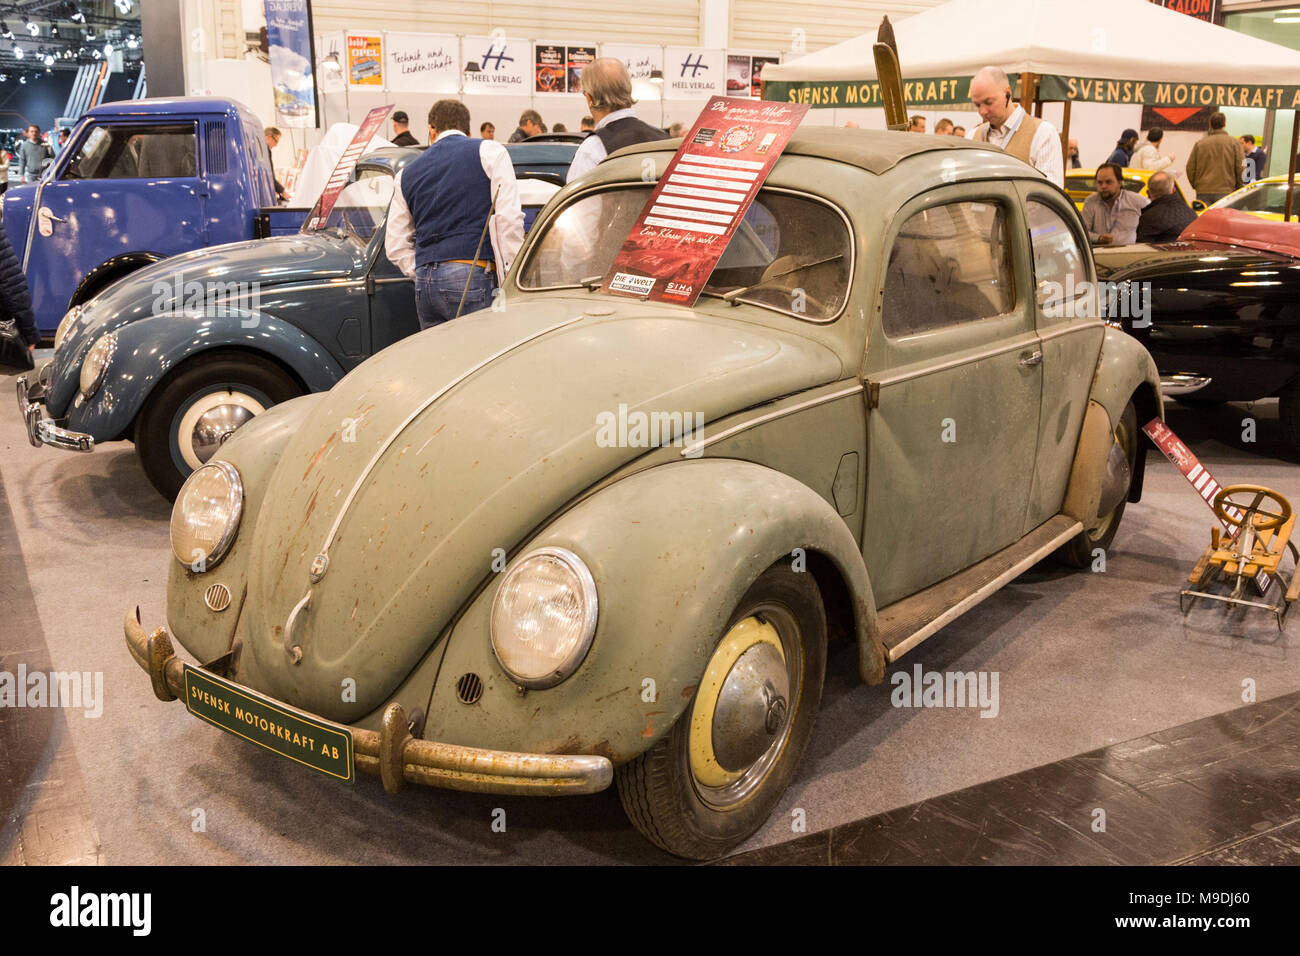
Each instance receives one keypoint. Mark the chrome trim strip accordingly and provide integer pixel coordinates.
(1023, 343)
(31, 226)
(961, 607)
(393, 281)
(383, 449)
(693, 450)
(1048, 336)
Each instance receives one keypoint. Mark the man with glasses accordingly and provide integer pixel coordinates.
(1007, 126)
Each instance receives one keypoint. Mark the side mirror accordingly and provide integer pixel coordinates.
(1198, 206)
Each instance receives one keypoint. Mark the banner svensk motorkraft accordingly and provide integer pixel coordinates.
(954, 91)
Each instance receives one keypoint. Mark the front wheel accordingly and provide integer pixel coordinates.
(191, 414)
(717, 775)
(1081, 550)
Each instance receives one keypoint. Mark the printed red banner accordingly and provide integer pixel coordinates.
(701, 199)
(343, 171)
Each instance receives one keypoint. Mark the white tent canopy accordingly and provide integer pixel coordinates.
(1101, 39)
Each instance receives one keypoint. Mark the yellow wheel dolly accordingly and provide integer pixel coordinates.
(1252, 550)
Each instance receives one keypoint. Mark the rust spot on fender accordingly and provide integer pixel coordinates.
(688, 690)
(649, 729)
(320, 453)
(611, 694)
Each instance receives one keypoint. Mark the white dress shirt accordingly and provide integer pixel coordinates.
(1044, 148)
(1148, 157)
(592, 150)
(505, 228)
(1117, 218)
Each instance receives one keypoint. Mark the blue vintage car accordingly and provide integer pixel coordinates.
(181, 353)
(139, 181)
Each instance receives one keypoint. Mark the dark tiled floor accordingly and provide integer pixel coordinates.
(1222, 790)
(44, 814)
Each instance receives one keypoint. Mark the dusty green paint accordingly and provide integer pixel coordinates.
(508, 459)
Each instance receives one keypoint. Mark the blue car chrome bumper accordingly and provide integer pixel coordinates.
(42, 430)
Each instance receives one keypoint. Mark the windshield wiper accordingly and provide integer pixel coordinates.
(592, 283)
(732, 296)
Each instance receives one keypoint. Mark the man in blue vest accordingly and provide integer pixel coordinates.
(441, 203)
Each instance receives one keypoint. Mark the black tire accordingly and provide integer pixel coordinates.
(1078, 552)
(238, 373)
(1288, 413)
(659, 790)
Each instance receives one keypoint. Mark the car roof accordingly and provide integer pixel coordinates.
(1085, 172)
(169, 104)
(521, 154)
(873, 150)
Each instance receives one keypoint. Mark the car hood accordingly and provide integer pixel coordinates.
(184, 282)
(448, 449)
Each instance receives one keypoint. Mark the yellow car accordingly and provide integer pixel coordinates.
(1265, 198)
(1080, 184)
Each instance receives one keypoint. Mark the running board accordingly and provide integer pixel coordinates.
(906, 623)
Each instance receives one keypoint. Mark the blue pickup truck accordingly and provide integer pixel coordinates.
(139, 181)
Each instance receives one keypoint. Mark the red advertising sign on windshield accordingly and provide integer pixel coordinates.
(699, 202)
(343, 171)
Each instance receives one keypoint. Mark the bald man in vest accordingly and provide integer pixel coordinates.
(1007, 126)
(608, 89)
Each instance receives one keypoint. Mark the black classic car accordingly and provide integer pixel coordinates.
(1219, 310)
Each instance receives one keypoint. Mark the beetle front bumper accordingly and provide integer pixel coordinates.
(42, 430)
(397, 757)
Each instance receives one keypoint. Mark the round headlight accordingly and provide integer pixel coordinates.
(205, 517)
(95, 365)
(544, 617)
(66, 325)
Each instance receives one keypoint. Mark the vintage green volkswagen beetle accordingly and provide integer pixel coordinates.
(582, 538)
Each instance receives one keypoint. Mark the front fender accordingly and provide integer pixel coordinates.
(672, 550)
(149, 349)
(254, 450)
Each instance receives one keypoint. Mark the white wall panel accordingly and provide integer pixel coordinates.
(768, 24)
(658, 21)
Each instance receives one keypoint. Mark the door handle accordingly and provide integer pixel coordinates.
(1033, 358)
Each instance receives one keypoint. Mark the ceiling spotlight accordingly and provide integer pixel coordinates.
(90, 34)
(5, 31)
(33, 29)
(657, 77)
(123, 7)
(22, 79)
(132, 43)
(108, 49)
(54, 29)
(49, 60)
(98, 55)
(4, 77)
(18, 52)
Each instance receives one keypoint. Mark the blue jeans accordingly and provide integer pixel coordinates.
(439, 286)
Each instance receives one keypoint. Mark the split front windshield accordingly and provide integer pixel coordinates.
(792, 253)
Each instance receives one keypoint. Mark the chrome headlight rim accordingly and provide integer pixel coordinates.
(235, 509)
(109, 344)
(70, 318)
(591, 613)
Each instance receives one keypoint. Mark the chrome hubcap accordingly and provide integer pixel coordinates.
(751, 707)
(215, 426)
(212, 419)
(743, 709)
